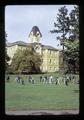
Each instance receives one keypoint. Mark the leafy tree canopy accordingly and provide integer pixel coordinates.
(26, 61)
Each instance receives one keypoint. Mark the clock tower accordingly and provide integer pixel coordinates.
(35, 36)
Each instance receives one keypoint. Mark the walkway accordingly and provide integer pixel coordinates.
(43, 112)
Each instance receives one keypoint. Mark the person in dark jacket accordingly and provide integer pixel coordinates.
(8, 78)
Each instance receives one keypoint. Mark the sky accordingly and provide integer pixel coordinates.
(19, 20)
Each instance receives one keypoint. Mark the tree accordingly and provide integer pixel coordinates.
(26, 61)
(62, 26)
(74, 24)
(67, 26)
(7, 58)
(72, 55)
(72, 42)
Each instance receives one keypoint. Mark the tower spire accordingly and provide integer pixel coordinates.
(35, 35)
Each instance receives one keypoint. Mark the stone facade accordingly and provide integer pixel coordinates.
(50, 56)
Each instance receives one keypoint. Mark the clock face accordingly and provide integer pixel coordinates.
(37, 48)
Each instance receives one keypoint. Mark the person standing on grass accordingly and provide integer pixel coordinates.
(50, 79)
(44, 80)
(41, 78)
(17, 79)
(33, 81)
(56, 81)
(22, 81)
(8, 78)
(74, 79)
(66, 80)
(30, 78)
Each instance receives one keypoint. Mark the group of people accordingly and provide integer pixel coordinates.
(58, 80)
(31, 79)
(21, 80)
(47, 79)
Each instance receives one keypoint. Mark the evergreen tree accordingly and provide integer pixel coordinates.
(67, 26)
(62, 25)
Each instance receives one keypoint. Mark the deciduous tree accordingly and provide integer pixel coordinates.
(26, 61)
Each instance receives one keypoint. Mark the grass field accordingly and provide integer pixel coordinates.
(40, 96)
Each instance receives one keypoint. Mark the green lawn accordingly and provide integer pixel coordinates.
(40, 96)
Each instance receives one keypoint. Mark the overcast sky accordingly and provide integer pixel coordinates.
(19, 21)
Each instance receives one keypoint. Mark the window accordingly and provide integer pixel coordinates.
(50, 68)
(50, 61)
(50, 52)
(54, 61)
(55, 68)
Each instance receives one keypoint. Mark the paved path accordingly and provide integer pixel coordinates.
(43, 112)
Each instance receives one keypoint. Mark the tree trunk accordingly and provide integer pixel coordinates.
(74, 68)
(63, 58)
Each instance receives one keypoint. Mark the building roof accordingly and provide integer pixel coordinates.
(48, 47)
(35, 29)
(21, 43)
